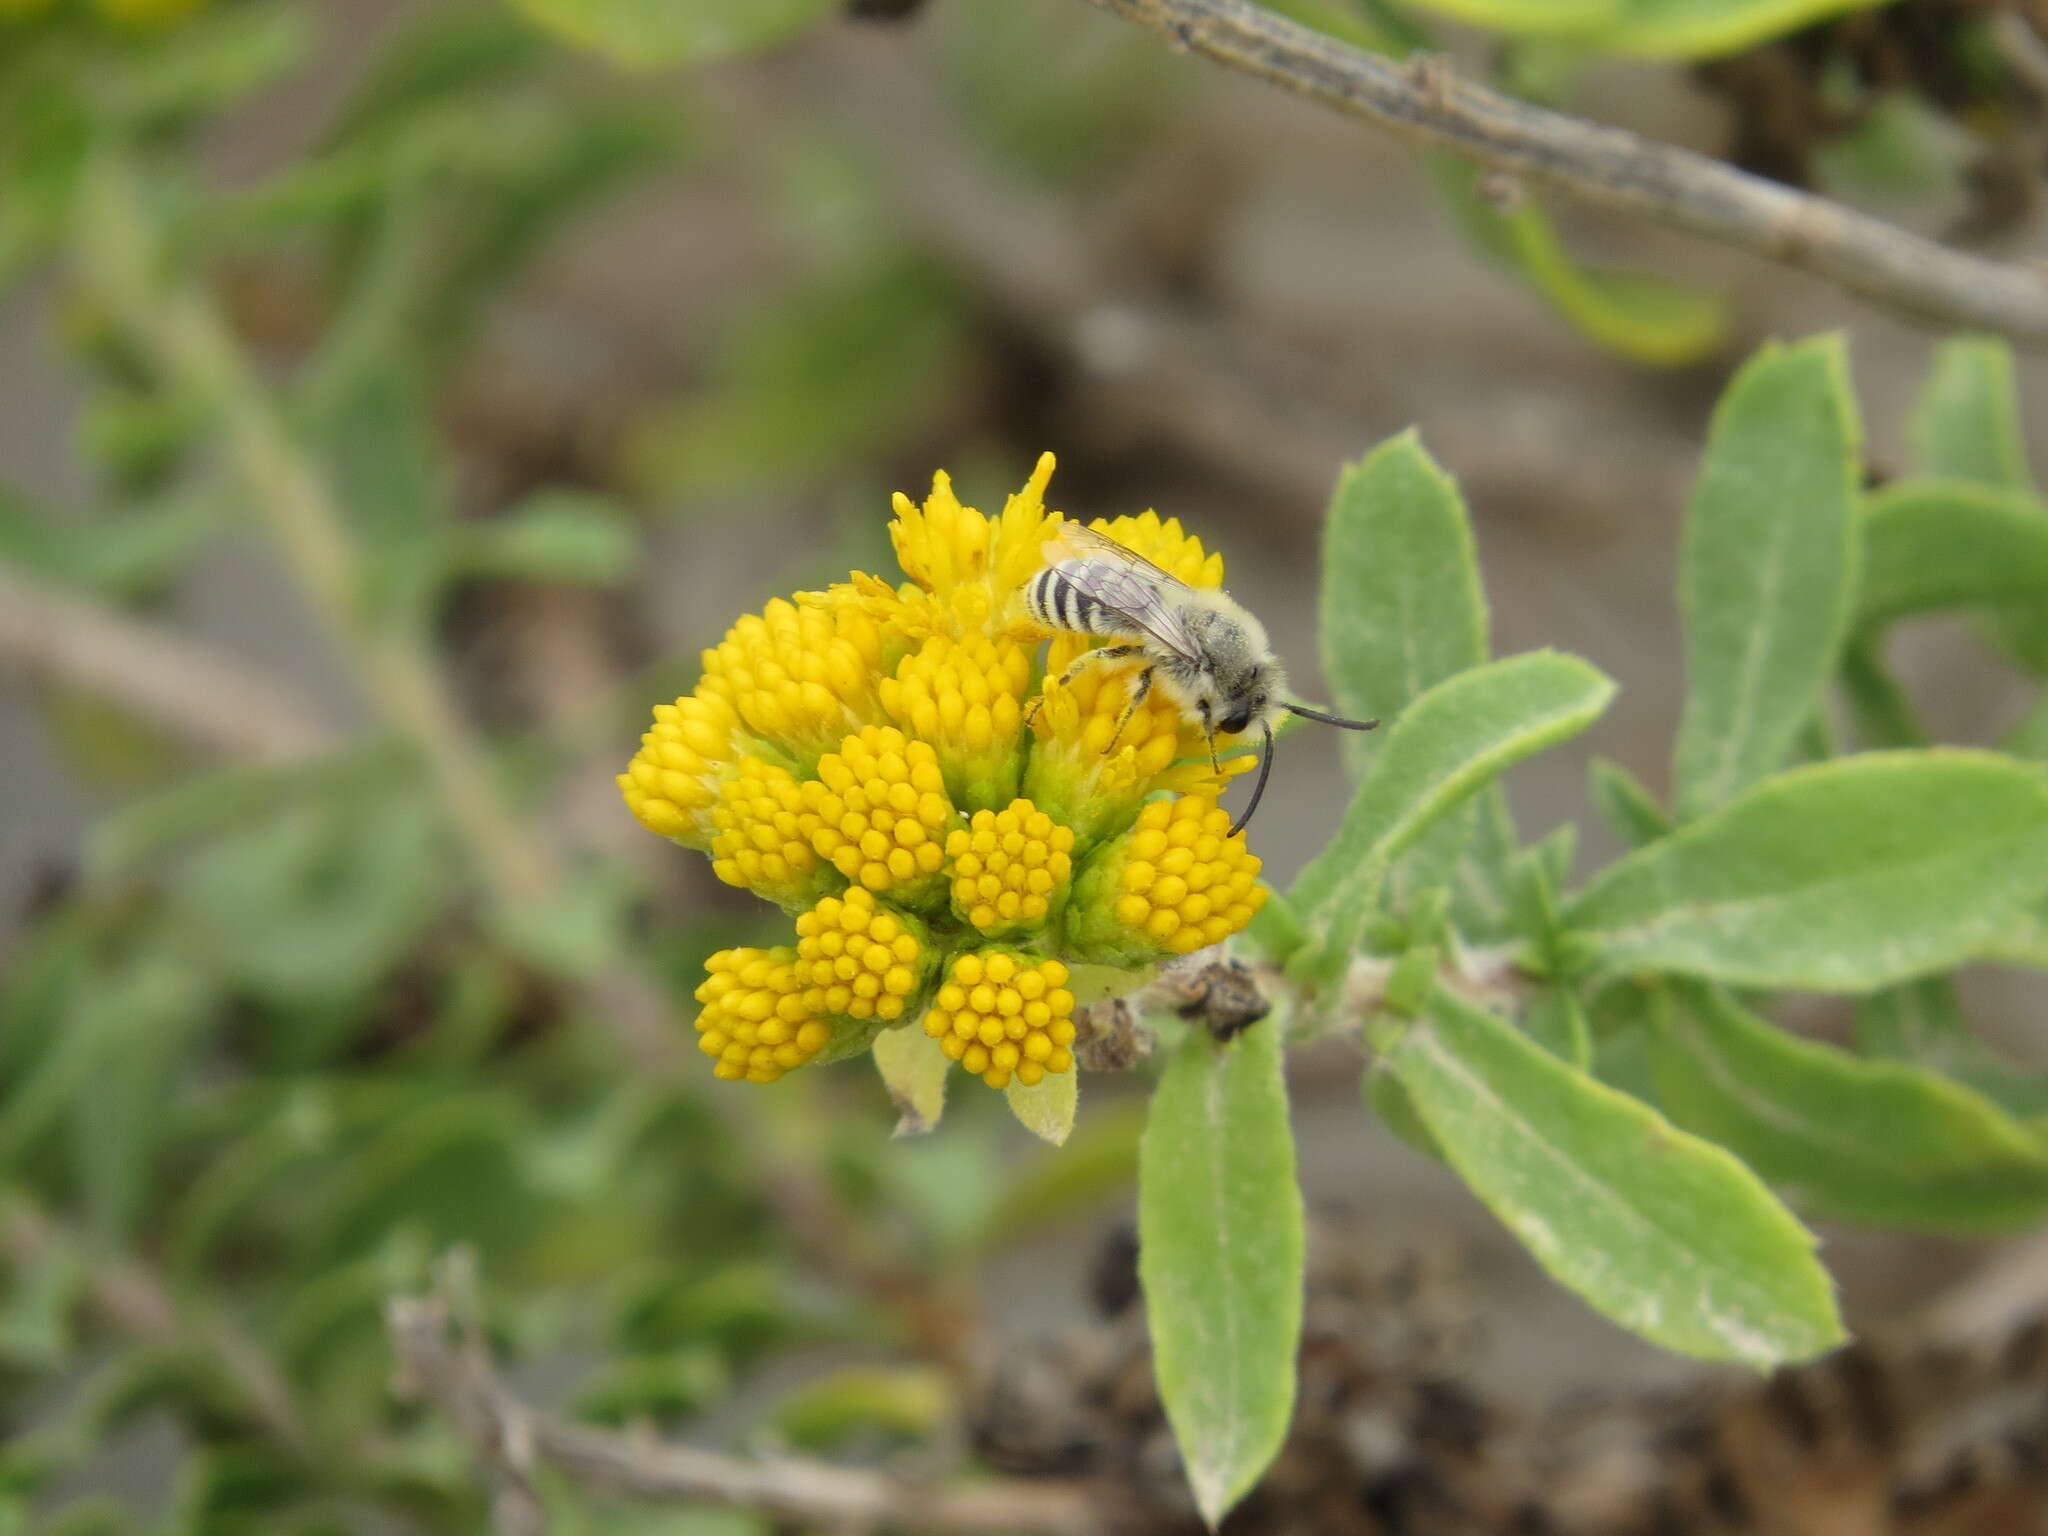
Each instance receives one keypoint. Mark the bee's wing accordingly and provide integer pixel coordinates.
(1124, 582)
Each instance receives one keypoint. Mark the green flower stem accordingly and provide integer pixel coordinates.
(186, 337)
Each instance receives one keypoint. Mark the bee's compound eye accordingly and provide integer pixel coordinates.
(1236, 721)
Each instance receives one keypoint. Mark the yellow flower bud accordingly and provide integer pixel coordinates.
(1008, 868)
(859, 958)
(965, 697)
(878, 812)
(763, 837)
(1166, 545)
(1175, 883)
(756, 1021)
(1005, 1015)
(799, 675)
(673, 780)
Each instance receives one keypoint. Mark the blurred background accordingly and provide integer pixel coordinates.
(326, 942)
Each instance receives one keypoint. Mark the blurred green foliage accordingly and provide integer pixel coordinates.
(288, 1031)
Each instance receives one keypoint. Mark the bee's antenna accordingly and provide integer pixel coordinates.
(1338, 720)
(1258, 789)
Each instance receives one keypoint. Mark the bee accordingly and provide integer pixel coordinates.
(1204, 651)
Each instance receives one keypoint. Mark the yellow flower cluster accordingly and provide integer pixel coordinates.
(756, 1022)
(673, 779)
(1002, 1014)
(1175, 883)
(764, 836)
(879, 809)
(1008, 866)
(798, 675)
(966, 697)
(872, 759)
(857, 959)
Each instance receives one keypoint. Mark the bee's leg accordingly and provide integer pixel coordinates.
(1209, 735)
(1141, 691)
(1077, 666)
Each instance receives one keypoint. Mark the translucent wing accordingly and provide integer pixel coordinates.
(1123, 582)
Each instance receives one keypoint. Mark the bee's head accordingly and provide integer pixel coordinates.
(1247, 695)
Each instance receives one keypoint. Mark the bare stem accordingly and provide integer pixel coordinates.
(187, 338)
(132, 1298)
(208, 697)
(450, 1367)
(1424, 102)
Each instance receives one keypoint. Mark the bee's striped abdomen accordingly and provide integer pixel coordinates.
(1057, 601)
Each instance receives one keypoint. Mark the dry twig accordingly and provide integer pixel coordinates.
(450, 1367)
(1253, 400)
(1424, 102)
(134, 1299)
(205, 696)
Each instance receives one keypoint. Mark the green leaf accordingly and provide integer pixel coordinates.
(1966, 426)
(1946, 543)
(914, 1070)
(1535, 17)
(1672, 29)
(1402, 607)
(1555, 1020)
(1047, 1110)
(2029, 737)
(2024, 940)
(802, 385)
(1698, 29)
(1630, 811)
(35, 1317)
(1921, 1022)
(1861, 1140)
(1639, 315)
(118, 1124)
(823, 1413)
(553, 536)
(1664, 1233)
(651, 33)
(1098, 1164)
(1220, 1255)
(443, 58)
(1403, 610)
(1878, 703)
(1453, 740)
(1966, 423)
(1767, 574)
(1344, 20)
(1843, 876)
(321, 896)
(1394, 1109)
(1535, 876)
(213, 58)
(647, 1388)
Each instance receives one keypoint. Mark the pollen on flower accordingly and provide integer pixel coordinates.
(762, 840)
(965, 697)
(1003, 1015)
(802, 675)
(756, 1022)
(672, 781)
(859, 958)
(879, 809)
(1008, 866)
